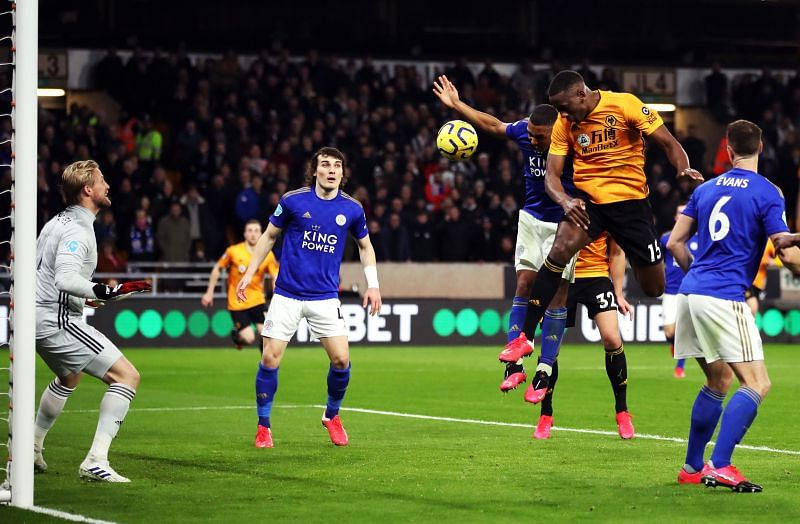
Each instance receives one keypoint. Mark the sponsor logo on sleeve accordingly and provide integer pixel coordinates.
(278, 210)
(71, 245)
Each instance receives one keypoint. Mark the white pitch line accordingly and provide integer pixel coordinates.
(644, 436)
(66, 516)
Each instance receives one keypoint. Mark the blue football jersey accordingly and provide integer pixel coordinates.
(314, 235)
(735, 213)
(537, 203)
(672, 271)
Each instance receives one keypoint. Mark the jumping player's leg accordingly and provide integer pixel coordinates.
(534, 242)
(545, 422)
(650, 277)
(515, 372)
(525, 280)
(568, 241)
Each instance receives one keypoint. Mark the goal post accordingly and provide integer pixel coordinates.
(22, 341)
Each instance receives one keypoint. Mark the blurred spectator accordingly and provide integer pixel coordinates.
(200, 220)
(455, 237)
(173, 233)
(424, 245)
(149, 142)
(109, 262)
(608, 80)
(717, 93)
(695, 148)
(398, 244)
(142, 239)
(377, 239)
(104, 227)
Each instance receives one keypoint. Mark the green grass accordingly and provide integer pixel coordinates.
(201, 465)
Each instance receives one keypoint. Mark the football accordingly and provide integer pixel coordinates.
(457, 140)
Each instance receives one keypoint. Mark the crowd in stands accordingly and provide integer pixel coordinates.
(203, 146)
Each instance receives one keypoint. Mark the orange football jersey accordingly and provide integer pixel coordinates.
(608, 147)
(593, 259)
(236, 259)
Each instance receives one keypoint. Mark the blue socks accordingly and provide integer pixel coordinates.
(680, 363)
(337, 386)
(266, 386)
(555, 322)
(517, 317)
(705, 415)
(739, 414)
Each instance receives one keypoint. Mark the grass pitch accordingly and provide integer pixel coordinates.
(187, 443)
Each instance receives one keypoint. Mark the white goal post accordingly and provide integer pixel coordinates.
(23, 249)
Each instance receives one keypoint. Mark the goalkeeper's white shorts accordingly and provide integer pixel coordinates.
(78, 347)
(534, 240)
(716, 329)
(324, 318)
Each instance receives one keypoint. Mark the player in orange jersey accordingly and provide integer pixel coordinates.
(599, 280)
(604, 132)
(754, 292)
(249, 312)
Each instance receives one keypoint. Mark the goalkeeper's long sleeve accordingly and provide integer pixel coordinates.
(66, 257)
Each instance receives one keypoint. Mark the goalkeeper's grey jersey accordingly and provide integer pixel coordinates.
(66, 256)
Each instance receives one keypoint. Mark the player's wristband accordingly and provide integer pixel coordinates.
(371, 272)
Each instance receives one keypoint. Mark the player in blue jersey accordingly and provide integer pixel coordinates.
(673, 276)
(538, 221)
(315, 221)
(735, 214)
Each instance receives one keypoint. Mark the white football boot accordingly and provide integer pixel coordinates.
(92, 469)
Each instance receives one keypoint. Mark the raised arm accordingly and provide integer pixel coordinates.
(448, 94)
(675, 153)
(260, 251)
(676, 244)
(372, 296)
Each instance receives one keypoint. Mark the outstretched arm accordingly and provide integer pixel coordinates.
(372, 296)
(448, 94)
(260, 251)
(675, 153)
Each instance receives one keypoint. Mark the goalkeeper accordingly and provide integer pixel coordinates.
(66, 256)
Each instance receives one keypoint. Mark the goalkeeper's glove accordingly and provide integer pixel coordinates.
(120, 291)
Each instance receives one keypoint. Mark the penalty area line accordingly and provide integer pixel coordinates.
(643, 436)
